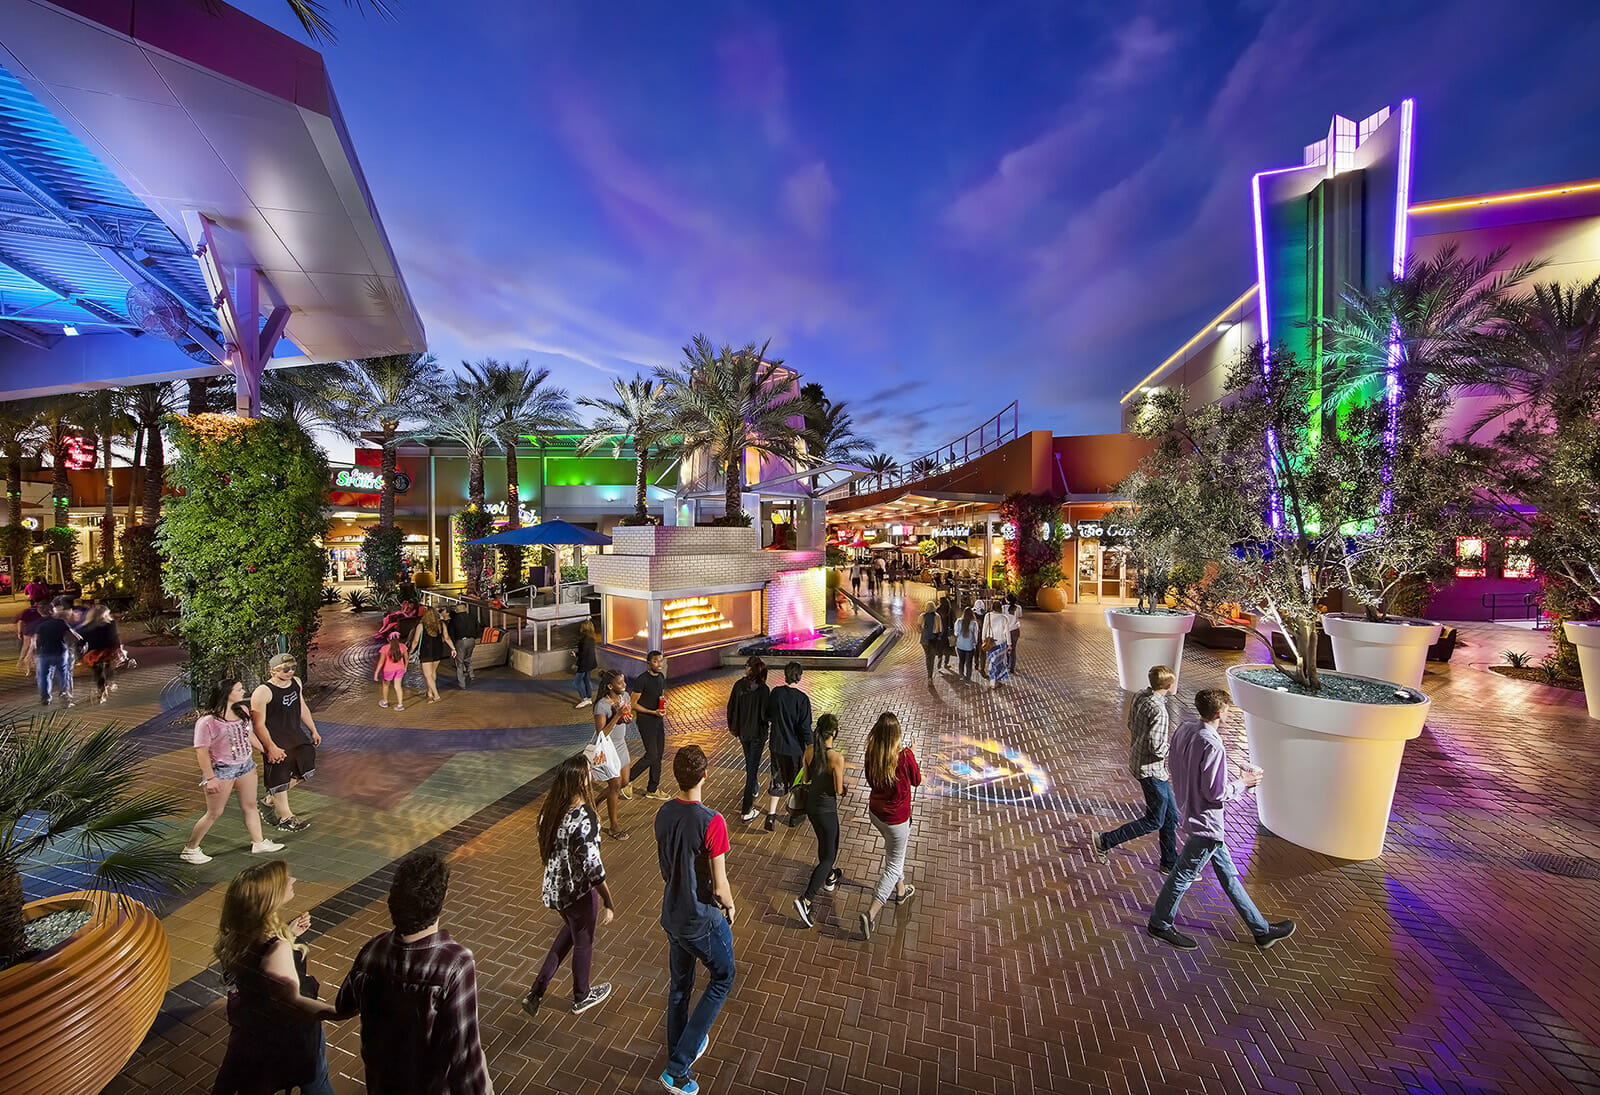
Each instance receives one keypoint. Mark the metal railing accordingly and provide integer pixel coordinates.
(986, 438)
(1526, 606)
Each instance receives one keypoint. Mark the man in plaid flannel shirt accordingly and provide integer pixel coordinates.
(1154, 716)
(417, 992)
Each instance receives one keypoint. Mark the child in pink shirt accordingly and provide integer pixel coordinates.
(391, 669)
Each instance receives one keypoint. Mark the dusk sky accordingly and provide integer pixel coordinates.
(930, 208)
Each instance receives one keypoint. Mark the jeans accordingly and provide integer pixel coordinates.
(685, 1032)
(577, 936)
(753, 750)
(653, 732)
(964, 659)
(1011, 652)
(929, 654)
(826, 824)
(896, 839)
(53, 667)
(585, 687)
(320, 1085)
(1196, 850)
(1160, 812)
(464, 660)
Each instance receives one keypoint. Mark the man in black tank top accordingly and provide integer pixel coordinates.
(288, 737)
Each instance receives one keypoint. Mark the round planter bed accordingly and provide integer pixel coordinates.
(1395, 649)
(1585, 635)
(73, 1016)
(1330, 764)
(1051, 599)
(1146, 639)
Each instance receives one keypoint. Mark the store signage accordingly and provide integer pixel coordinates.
(953, 530)
(30, 522)
(81, 452)
(529, 517)
(1098, 530)
(370, 482)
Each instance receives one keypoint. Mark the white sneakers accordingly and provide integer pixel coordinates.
(583, 703)
(194, 855)
(261, 847)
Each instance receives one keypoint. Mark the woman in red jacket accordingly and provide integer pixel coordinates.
(891, 772)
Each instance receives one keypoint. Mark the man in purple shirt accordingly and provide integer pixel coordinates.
(1199, 768)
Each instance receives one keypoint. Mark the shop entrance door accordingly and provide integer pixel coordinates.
(1113, 574)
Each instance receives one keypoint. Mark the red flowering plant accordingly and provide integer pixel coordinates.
(1031, 527)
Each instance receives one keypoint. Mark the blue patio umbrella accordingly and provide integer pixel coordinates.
(546, 534)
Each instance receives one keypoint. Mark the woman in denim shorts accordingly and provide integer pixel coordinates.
(222, 744)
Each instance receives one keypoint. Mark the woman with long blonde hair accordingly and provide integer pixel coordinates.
(430, 642)
(275, 1037)
(891, 773)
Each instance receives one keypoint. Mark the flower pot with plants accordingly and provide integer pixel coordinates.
(1150, 633)
(82, 974)
(1280, 508)
(1585, 635)
(1392, 648)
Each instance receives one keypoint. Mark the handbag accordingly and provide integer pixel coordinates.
(795, 801)
(604, 764)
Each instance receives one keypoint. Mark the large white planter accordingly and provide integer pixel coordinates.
(1330, 765)
(1586, 637)
(1394, 650)
(1144, 641)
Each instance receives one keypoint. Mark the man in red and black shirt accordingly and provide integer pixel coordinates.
(416, 990)
(696, 912)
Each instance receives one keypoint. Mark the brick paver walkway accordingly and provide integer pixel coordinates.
(1462, 961)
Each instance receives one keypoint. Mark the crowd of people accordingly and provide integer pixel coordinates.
(54, 634)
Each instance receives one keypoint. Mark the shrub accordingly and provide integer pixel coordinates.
(141, 565)
(62, 540)
(359, 600)
(1034, 519)
(381, 555)
(737, 519)
(473, 523)
(1517, 659)
(330, 596)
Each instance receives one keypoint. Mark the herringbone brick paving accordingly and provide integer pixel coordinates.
(1461, 961)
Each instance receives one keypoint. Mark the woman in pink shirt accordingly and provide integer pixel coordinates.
(222, 743)
(891, 772)
(391, 669)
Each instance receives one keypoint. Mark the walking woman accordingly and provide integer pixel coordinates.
(823, 766)
(430, 642)
(612, 713)
(222, 742)
(747, 706)
(966, 642)
(102, 649)
(585, 665)
(891, 773)
(574, 884)
(947, 615)
(996, 638)
(932, 624)
(391, 669)
(275, 1039)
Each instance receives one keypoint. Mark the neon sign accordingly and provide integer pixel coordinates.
(528, 516)
(370, 482)
(80, 453)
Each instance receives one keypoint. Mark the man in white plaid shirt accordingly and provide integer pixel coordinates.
(1155, 714)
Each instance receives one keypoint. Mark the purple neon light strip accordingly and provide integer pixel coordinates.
(1275, 506)
(1402, 206)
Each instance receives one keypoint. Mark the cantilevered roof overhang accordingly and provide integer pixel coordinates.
(183, 145)
(906, 507)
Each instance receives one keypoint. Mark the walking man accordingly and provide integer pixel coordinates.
(53, 639)
(288, 736)
(789, 715)
(855, 579)
(649, 710)
(464, 634)
(416, 990)
(747, 719)
(1014, 616)
(697, 914)
(1151, 720)
(1199, 768)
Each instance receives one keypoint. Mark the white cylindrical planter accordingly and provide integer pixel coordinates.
(1144, 640)
(1330, 765)
(1585, 635)
(1394, 650)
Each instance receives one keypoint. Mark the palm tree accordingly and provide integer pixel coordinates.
(307, 395)
(64, 788)
(731, 402)
(922, 467)
(60, 419)
(209, 394)
(882, 466)
(466, 415)
(831, 436)
(1544, 354)
(149, 404)
(105, 413)
(524, 405)
(384, 393)
(641, 412)
(19, 433)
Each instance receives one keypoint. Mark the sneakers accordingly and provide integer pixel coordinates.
(705, 1044)
(399, 707)
(802, 909)
(661, 795)
(904, 895)
(291, 824)
(627, 794)
(262, 847)
(749, 815)
(1177, 938)
(383, 703)
(1101, 852)
(194, 855)
(585, 702)
(1166, 868)
(597, 995)
(684, 1086)
(1283, 929)
(833, 880)
(530, 1004)
(771, 824)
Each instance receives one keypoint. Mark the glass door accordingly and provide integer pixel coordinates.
(1113, 574)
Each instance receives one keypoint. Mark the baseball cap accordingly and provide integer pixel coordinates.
(280, 660)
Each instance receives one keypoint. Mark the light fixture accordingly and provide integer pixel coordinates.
(1224, 327)
(69, 330)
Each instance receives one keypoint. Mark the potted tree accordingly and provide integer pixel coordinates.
(1150, 633)
(1266, 491)
(82, 974)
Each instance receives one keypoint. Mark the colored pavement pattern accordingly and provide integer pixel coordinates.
(1463, 960)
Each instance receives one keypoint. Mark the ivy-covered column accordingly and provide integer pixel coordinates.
(240, 542)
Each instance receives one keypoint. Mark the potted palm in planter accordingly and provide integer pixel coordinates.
(82, 974)
(1275, 497)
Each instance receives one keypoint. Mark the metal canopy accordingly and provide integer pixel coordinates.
(184, 146)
